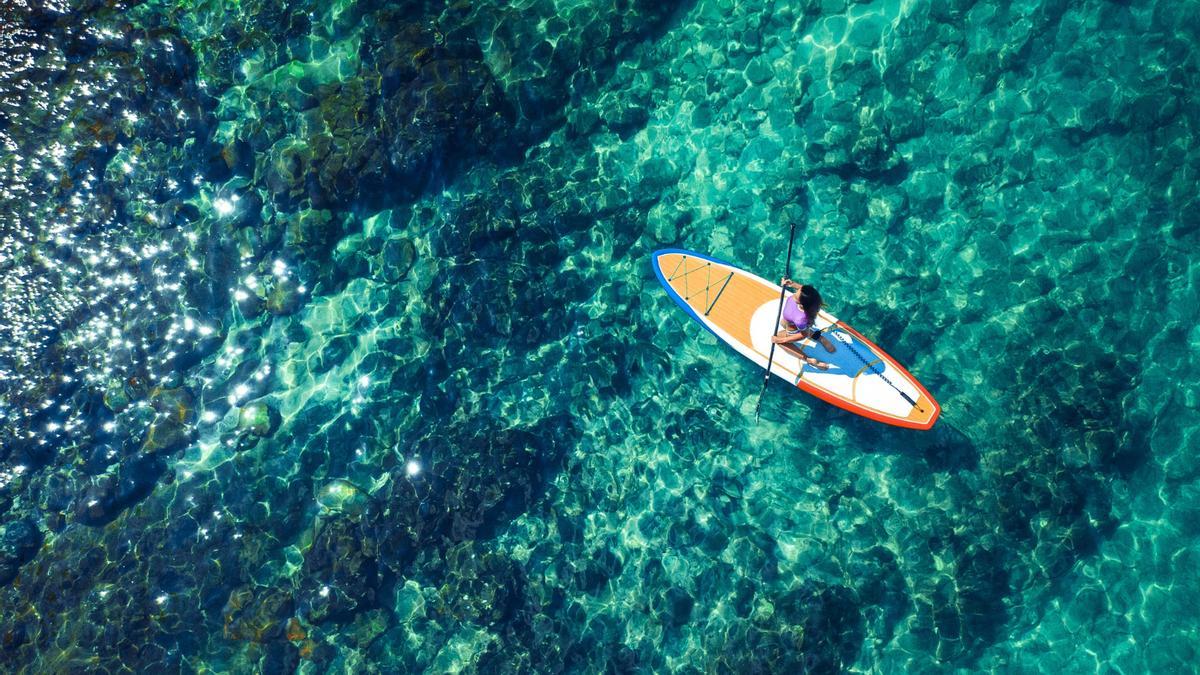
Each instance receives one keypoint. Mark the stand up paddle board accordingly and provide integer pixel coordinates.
(742, 310)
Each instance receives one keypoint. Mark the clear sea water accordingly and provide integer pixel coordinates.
(329, 340)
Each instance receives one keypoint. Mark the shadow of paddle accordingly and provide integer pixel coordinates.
(944, 448)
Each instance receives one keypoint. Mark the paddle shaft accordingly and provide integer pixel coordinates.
(782, 294)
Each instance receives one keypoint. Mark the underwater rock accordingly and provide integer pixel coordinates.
(197, 347)
(281, 657)
(658, 173)
(135, 177)
(479, 226)
(543, 55)
(167, 60)
(342, 496)
(285, 168)
(295, 631)
(595, 570)
(453, 108)
(676, 606)
(258, 418)
(350, 160)
(902, 120)
(881, 584)
(19, 542)
(401, 46)
(465, 485)
(439, 101)
(959, 616)
(174, 213)
(174, 404)
(244, 202)
(222, 160)
(407, 515)
(335, 155)
(503, 482)
(368, 626)
(209, 291)
(57, 492)
(257, 614)
(483, 587)
(625, 118)
(116, 396)
(871, 152)
(311, 231)
(249, 301)
(759, 71)
(171, 427)
(581, 122)
(284, 297)
(770, 648)
(96, 459)
(397, 257)
(326, 602)
(335, 350)
(341, 571)
(237, 155)
(831, 622)
(13, 636)
(350, 259)
(104, 497)
(165, 435)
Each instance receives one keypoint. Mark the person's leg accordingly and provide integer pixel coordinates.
(794, 348)
(814, 362)
(820, 336)
(827, 345)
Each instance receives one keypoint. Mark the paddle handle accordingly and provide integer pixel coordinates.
(779, 313)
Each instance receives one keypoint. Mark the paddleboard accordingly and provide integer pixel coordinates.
(742, 310)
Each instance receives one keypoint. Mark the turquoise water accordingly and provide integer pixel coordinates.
(330, 342)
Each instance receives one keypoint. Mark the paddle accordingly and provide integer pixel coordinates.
(782, 294)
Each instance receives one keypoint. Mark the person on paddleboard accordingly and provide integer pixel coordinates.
(799, 320)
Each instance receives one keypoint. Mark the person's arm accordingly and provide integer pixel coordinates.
(788, 283)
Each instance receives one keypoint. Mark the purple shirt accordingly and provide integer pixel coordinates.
(792, 312)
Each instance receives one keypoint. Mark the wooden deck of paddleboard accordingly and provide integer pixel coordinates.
(741, 309)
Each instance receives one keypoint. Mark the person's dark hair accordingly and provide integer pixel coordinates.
(810, 302)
